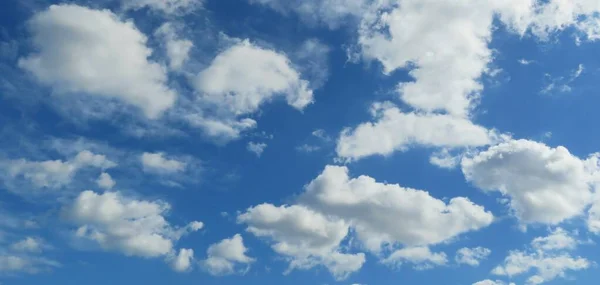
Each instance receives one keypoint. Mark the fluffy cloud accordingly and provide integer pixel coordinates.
(52, 174)
(105, 181)
(245, 76)
(225, 256)
(177, 49)
(445, 42)
(421, 257)
(158, 163)
(166, 6)
(544, 184)
(132, 227)
(241, 79)
(81, 50)
(548, 259)
(256, 148)
(396, 130)
(471, 256)
(183, 261)
(390, 214)
(307, 238)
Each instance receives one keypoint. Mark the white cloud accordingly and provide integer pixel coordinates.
(525, 61)
(132, 227)
(308, 148)
(471, 256)
(396, 130)
(390, 214)
(256, 148)
(25, 264)
(238, 82)
(177, 49)
(81, 50)
(29, 244)
(548, 258)
(444, 159)
(558, 239)
(544, 184)
(421, 257)
(183, 261)
(158, 163)
(332, 13)
(52, 174)
(225, 257)
(105, 181)
(245, 76)
(445, 43)
(166, 6)
(491, 282)
(307, 238)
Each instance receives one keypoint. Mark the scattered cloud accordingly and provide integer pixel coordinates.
(472, 256)
(225, 257)
(256, 148)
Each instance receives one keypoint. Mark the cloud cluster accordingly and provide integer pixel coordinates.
(333, 204)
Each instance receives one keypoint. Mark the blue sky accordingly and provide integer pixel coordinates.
(299, 142)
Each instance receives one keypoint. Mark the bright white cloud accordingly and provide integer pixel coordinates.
(132, 227)
(256, 148)
(307, 238)
(544, 184)
(225, 257)
(53, 174)
(158, 163)
(81, 50)
(177, 49)
(390, 214)
(166, 6)
(446, 44)
(105, 181)
(444, 159)
(471, 256)
(548, 258)
(183, 261)
(245, 76)
(421, 257)
(394, 130)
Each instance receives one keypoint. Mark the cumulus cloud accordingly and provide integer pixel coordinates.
(105, 181)
(256, 148)
(177, 49)
(183, 261)
(159, 163)
(545, 185)
(51, 174)
(421, 257)
(389, 213)
(472, 256)
(81, 50)
(396, 130)
(305, 237)
(239, 81)
(225, 257)
(129, 226)
(548, 258)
